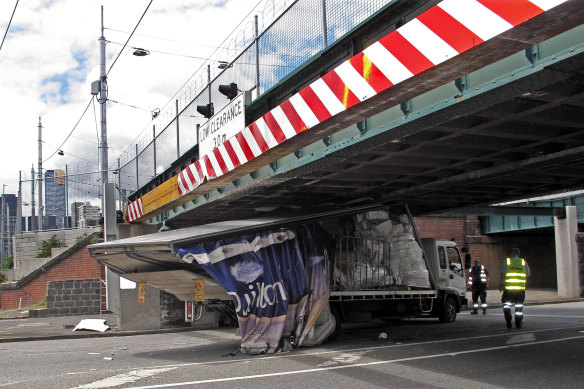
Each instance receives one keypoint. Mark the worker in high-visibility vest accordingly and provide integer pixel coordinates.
(514, 273)
(477, 281)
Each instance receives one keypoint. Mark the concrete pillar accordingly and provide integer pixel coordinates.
(567, 254)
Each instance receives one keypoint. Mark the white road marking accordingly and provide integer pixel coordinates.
(365, 364)
(343, 358)
(520, 338)
(120, 379)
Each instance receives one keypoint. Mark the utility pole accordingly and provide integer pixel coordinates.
(40, 175)
(108, 206)
(102, 101)
(67, 224)
(2, 251)
(32, 204)
(108, 201)
(19, 205)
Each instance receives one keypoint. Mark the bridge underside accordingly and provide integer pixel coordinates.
(521, 139)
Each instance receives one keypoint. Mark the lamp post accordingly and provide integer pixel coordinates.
(40, 175)
(2, 225)
(102, 101)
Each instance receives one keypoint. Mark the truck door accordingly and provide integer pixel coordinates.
(451, 266)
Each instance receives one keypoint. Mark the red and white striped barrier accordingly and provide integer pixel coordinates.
(135, 210)
(437, 35)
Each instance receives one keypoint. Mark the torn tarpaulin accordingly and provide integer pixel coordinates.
(278, 280)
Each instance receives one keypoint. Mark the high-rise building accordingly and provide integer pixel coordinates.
(75, 213)
(89, 215)
(55, 204)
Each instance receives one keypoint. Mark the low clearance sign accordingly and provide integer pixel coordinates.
(225, 124)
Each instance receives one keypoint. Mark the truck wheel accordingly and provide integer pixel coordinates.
(337, 318)
(448, 312)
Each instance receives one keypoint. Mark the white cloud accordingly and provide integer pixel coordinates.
(51, 56)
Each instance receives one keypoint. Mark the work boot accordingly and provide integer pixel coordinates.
(518, 322)
(484, 311)
(474, 312)
(508, 317)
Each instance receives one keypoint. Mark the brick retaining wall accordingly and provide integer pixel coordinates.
(74, 264)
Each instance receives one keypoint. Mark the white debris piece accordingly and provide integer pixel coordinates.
(92, 325)
(383, 335)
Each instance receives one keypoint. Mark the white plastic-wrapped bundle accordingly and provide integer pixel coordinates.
(408, 264)
(403, 263)
(370, 276)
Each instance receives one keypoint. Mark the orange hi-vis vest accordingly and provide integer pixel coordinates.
(515, 274)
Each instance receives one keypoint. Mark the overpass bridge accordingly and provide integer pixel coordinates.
(438, 104)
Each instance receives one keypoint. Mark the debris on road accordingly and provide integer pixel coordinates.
(92, 325)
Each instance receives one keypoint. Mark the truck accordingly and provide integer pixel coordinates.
(294, 280)
(362, 295)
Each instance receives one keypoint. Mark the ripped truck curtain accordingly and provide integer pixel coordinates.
(278, 280)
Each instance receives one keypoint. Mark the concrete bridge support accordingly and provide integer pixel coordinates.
(566, 230)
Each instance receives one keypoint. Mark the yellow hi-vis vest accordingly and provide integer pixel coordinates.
(516, 274)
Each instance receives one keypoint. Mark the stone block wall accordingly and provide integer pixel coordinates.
(580, 245)
(74, 297)
(172, 311)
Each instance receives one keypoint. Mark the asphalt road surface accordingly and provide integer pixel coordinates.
(476, 351)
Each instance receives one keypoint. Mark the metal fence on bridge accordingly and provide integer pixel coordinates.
(277, 38)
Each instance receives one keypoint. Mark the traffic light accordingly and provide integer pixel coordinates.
(206, 110)
(229, 90)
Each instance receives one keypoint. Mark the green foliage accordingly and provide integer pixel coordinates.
(94, 238)
(8, 263)
(2, 278)
(47, 245)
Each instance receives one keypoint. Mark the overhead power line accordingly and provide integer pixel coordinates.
(174, 40)
(9, 22)
(71, 132)
(130, 37)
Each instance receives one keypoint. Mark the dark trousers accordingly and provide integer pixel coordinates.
(479, 290)
(512, 298)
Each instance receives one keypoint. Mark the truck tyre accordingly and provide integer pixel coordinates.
(448, 312)
(337, 317)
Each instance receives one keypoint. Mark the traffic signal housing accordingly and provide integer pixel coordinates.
(229, 90)
(206, 110)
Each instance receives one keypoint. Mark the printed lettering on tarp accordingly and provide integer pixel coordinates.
(278, 280)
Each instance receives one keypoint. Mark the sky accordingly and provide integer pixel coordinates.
(51, 56)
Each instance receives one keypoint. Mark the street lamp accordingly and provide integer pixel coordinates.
(139, 52)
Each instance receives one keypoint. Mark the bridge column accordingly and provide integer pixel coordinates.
(567, 253)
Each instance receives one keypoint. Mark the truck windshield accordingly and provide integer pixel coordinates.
(454, 260)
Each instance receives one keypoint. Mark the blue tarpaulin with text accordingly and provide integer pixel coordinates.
(278, 280)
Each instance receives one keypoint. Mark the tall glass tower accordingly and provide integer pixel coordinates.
(55, 198)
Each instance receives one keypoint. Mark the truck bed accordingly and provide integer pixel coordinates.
(364, 269)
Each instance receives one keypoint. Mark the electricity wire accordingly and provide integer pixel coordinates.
(9, 22)
(74, 127)
(131, 106)
(130, 37)
(68, 153)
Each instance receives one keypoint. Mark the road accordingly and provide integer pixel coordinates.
(474, 352)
